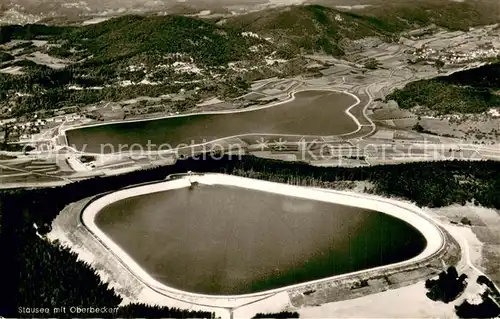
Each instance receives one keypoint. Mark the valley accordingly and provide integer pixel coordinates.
(250, 159)
(386, 134)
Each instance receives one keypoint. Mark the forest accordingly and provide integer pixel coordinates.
(47, 89)
(30, 32)
(447, 287)
(99, 56)
(470, 91)
(488, 308)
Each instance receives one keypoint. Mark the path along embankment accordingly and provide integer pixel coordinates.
(436, 239)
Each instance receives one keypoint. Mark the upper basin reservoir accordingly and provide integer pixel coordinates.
(319, 113)
(221, 240)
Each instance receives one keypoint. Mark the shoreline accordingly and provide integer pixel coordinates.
(291, 98)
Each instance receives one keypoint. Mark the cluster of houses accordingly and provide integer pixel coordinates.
(456, 57)
(41, 122)
(64, 118)
(23, 130)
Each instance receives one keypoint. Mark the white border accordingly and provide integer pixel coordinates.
(408, 213)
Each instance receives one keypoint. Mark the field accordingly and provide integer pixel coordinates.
(15, 172)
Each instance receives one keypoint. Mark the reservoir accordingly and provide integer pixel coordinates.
(319, 113)
(229, 240)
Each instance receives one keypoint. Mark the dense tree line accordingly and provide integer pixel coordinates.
(39, 273)
(470, 91)
(146, 311)
(447, 287)
(486, 77)
(488, 308)
(4, 56)
(432, 184)
(30, 32)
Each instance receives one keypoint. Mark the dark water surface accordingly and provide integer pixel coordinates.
(319, 113)
(229, 240)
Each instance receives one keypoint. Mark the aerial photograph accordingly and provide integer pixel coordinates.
(239, 159)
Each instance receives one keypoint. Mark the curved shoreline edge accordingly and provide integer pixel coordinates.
(291, 98)
(408, 213)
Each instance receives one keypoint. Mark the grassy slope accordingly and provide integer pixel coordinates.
(312, 28)
(470, 91)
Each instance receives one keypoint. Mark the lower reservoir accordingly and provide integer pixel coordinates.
(320, 113)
